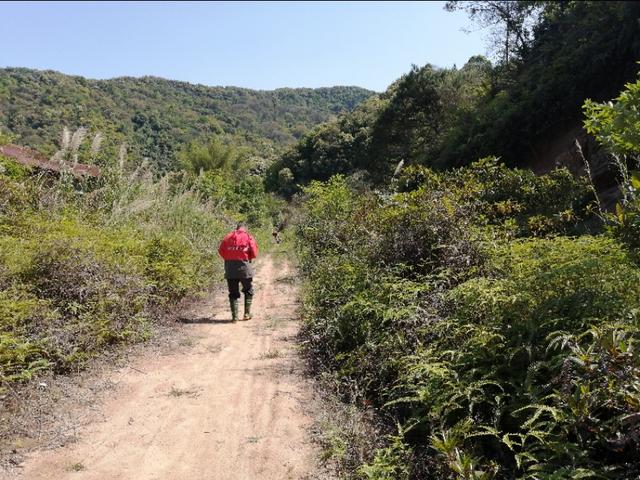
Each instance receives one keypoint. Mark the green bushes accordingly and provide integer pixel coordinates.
(502, 350)
(88, 286)
(64, 298)
(168, 268)
(501, 365)
(522, 203)
(83, 288)
(615, 125)
(21, 357)
(14, 195)
(425, 231)
(87, 266)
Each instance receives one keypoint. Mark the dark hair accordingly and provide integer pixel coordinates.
(241, 225)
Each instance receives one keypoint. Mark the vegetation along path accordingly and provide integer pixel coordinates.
(229, 407)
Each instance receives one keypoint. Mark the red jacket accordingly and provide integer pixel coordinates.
(238, 245)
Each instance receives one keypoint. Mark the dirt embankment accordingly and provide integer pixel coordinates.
(571, 148)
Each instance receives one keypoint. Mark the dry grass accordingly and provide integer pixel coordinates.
(76, 467)
(271, 354)
(217, 348)
(191, 392)
(347, 434)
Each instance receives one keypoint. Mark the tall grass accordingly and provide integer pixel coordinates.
(87, 263)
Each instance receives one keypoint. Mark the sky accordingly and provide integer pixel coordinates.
(261, 45)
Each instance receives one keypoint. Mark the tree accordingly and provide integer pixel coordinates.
(511, 23)
(215, 155)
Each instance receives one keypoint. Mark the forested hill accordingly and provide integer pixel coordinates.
(155, 116)
(550, 58)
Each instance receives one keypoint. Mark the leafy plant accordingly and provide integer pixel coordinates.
(616, 125)
(444, 306)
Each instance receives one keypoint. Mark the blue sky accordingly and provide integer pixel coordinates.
(262, 45)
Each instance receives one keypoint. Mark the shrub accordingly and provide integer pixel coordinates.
(14, 194)
(519, 201)
(427, 231)
(495, 353)
(615, 125)
(86, 300)
(489, 372)
(86, 265)
(21, 356)
(167, 267)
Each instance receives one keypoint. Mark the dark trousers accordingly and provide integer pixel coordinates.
(234, 287)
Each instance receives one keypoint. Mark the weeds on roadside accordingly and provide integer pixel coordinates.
(86, 263)
(271, 354)
(77, 467)
(466, 308)
(183, 392)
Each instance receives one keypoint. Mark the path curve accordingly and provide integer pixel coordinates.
(227, 407)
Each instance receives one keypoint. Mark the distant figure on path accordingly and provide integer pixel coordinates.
(239, 248)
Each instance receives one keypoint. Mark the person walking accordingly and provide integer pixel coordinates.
(238, 249)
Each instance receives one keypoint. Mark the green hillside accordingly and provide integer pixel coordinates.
(156, 116)
(447, 117)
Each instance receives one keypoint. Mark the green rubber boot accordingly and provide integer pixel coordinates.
(247, 307)
(234, 308)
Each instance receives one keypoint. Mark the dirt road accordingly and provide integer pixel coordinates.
(226, 407)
